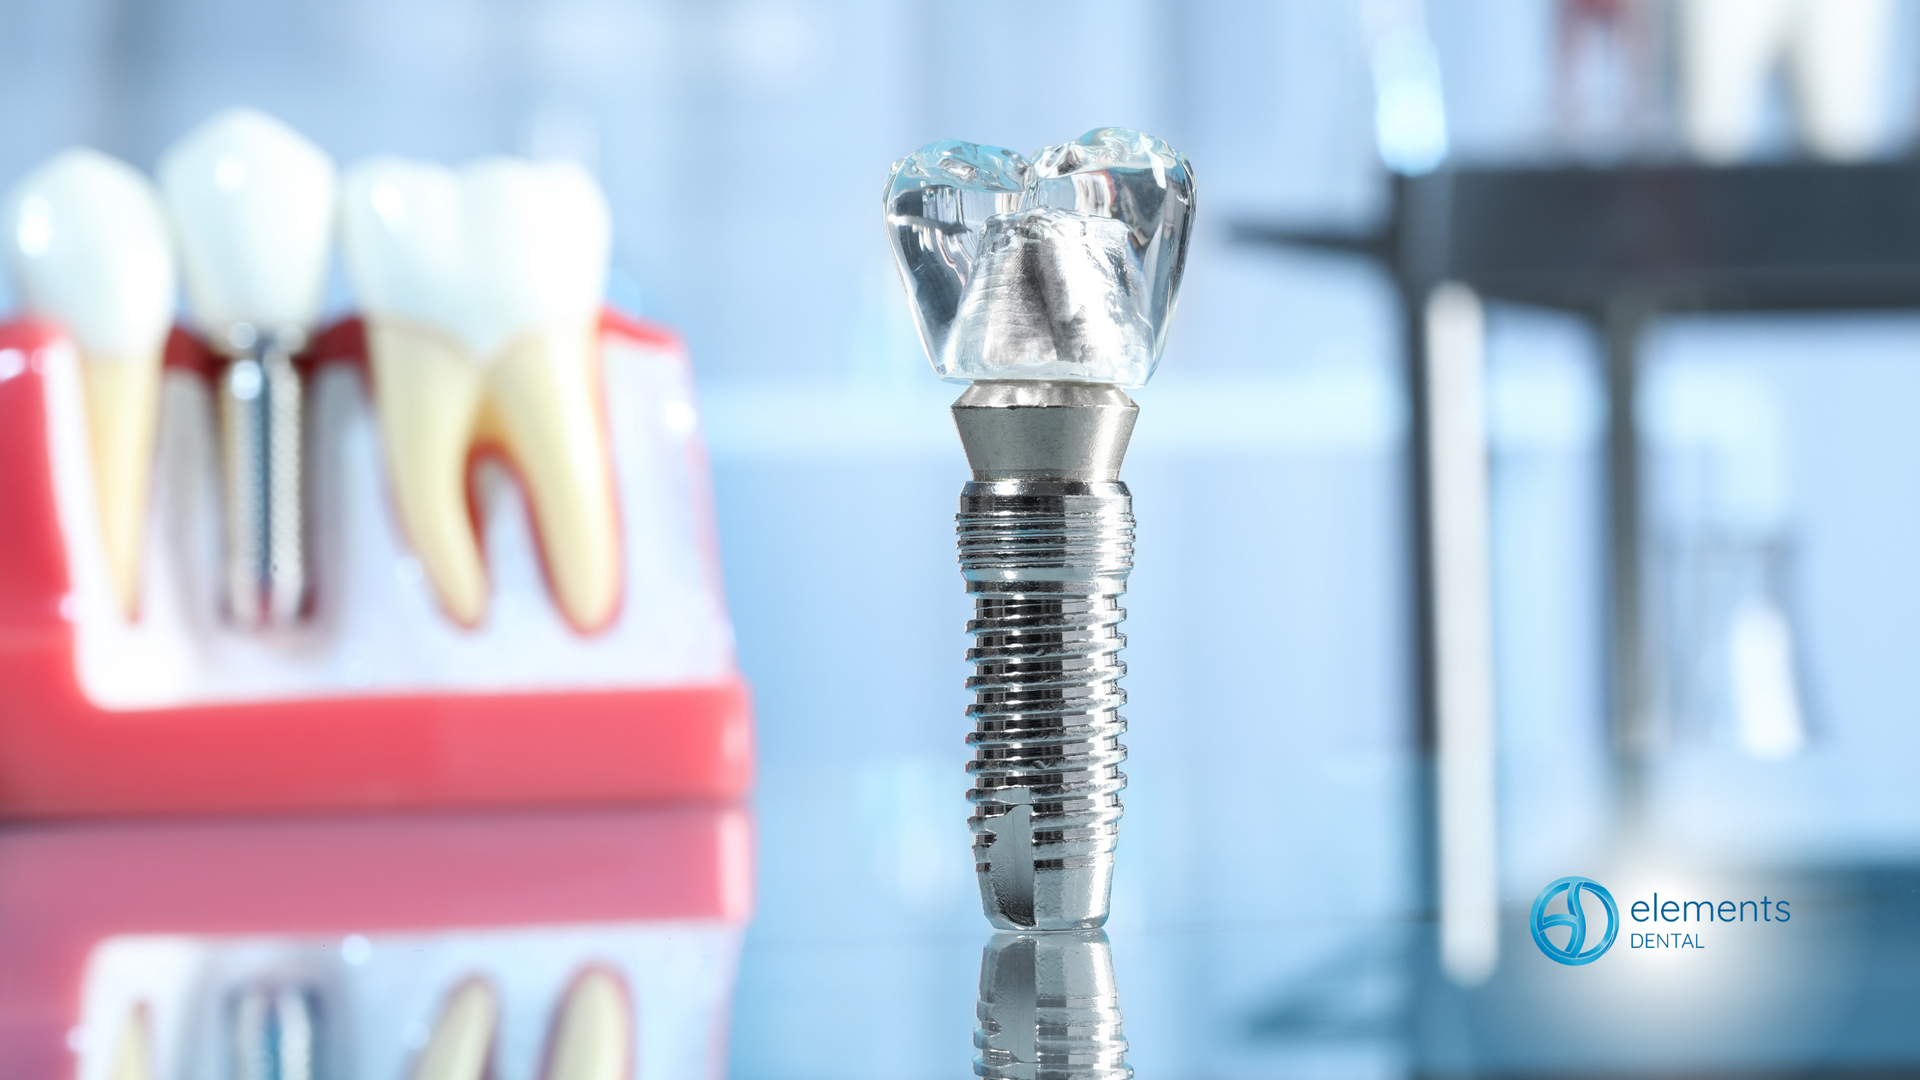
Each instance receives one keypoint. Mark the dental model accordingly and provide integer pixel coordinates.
(91, 251)
(1049, 286)
(252, 204)
(481, 290)
(1836, 52)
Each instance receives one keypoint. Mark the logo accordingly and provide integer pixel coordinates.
(1575, 949)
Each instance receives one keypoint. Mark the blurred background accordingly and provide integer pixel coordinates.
(1276, 904)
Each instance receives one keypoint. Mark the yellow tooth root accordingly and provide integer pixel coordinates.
(539, 400)
(427, 392)
(462, 1039)
(123, 407)
(593, 1034)
(133, 1059)
(544, 401)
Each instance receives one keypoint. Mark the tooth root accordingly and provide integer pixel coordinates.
(593, 1035)
(505, 260)
(123, 403)
(133, 1059)
(428, 394)
(545, 409)
(462, 1039)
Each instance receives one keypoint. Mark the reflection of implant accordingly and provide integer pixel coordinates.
(1049, 1009)
(274, 1034)
(1049, 286)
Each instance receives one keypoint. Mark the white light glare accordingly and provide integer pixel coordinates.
(1409, 112)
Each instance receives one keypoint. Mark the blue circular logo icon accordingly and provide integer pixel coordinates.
(1574, 950)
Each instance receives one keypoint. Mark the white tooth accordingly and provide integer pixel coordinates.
(462, 1039)
(89, 245)
(253, 203)
(1837, 50)
(481, 289)
(593, 1035)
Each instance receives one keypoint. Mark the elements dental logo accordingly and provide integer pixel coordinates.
(1575, 950)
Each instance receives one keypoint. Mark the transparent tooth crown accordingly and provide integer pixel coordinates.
(1065, 268)
(1033, 281)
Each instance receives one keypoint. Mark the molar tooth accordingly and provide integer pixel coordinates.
(481, 290)
(90, 247)
(1067, 267)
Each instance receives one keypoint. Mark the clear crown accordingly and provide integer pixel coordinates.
(1065, 268)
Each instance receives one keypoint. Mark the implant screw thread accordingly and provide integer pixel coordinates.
(1046, 562)
(261, 404)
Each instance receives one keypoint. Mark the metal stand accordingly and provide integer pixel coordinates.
(1619, 247)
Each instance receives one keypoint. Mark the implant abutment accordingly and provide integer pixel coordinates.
(1046, 543)
(1044, 430)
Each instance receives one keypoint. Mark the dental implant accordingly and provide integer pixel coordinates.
(252, 205)
(1048, 285)
(261, 403)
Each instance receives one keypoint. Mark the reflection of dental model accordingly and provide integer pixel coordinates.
(253, 205)
(592, 1036)
(1049, 1009)
(273, 1034)
(462, 1040)
(133, 1060)
(481, 291)
(91, 251)
(1837, 55)
(1050, 286)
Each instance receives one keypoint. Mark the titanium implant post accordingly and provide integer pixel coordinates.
(262, 453)
(1046, 542)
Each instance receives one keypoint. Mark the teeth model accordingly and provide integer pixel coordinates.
(252, 205)
(91, 251)
(1048, 285)
(481, 290)
(1836, 52)
(593, 1033)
